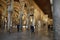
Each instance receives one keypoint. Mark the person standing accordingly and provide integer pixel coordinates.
(32, 28)
(18, 28)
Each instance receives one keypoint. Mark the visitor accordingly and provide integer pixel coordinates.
(18, 28)
(32, 28)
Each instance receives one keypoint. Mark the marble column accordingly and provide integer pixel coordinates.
(22, 3)
(10, 10)
(33, 16)
(8, 20)
(28, 20)
(56, 19)
(4, 13)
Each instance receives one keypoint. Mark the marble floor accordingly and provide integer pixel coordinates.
(26, 35)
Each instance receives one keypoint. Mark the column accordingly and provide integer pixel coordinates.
(21, 19)
(32, 16)
(27, 20)
(4, 13)
(56, 19)
(10, 9)
(28, 15)
(22, 3)
(46, 22)
(8, 15)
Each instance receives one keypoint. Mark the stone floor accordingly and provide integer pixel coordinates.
(26, 35)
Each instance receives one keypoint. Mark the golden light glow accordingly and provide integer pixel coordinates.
(38, 13)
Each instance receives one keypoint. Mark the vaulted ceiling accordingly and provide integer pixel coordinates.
(45, 6)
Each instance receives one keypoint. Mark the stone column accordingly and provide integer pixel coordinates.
(20, 13)
(27, 20)
(22, 3)
(4, 13)
(8, 17)
(28, 16)
(10, 9)
(32, 16)
(56, 19)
